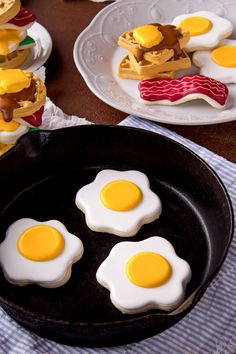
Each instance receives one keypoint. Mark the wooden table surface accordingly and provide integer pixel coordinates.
(65, 20)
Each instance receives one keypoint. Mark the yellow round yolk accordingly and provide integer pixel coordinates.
(224, 56)
(148, 269)
(120, 195)
(147, 35)
(196, 25)
(40, 243)
(8, 126)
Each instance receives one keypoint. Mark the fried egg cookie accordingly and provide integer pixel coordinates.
(39, 253)
(219, 62)
(206, 29)
(144, 275)
(11, 131)
(118, 202)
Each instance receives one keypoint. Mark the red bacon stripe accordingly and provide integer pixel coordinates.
(174, 89)
(23, 18)
(36, 118)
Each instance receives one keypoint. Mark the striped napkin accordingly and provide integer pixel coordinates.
(209, 328)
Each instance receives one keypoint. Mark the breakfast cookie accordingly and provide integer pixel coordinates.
(128, 71)
(118, 202)
(184, 89)
(22, 97)
(144, 275)
(166, 40)
(218, 63)
(13, 59)
(11, 131)
(21, 94)
(206, 29)
(8, 9)
(15, 42)
(148, 69)
(39, 253)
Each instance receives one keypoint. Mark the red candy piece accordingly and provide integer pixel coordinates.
(174, 89)
(23, 18)
(36, 118)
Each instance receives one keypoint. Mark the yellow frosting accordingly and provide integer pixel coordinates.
(4, 148)
(196, 25)
(8, 36)
(120, 195)
(8, 126)
(148, 269)
(147, 35)
(13, 80)
(224, 56)
(40, 243)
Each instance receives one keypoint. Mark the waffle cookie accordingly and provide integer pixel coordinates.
(14, 40)
(8, 9)
(23, 102)
(147, 68)
(172, 40)
(158, 57)
(22, 96)
(14, 59)
(127, 71)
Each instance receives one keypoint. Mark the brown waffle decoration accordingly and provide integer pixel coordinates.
(162, 59)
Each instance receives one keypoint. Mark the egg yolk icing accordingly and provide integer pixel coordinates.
(224, 56)
(120, 195)
(148, 269)
(13, 80)
(8, 126)
(4, 148)
(196, 25)
(6, 37)
(40, 243)
(148, 36)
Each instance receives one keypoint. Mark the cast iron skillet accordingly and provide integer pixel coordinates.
(39, 179)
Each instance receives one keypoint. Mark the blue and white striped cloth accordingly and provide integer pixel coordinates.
(209, 328)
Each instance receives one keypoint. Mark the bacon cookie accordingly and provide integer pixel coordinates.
(22, 21)
(186, 88)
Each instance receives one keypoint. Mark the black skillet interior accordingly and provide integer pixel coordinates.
(40, 178)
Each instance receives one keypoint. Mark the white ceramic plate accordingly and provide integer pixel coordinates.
(96, 56)
(41, 51)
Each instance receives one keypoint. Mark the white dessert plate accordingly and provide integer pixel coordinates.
(97, 55)
(40, 53)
